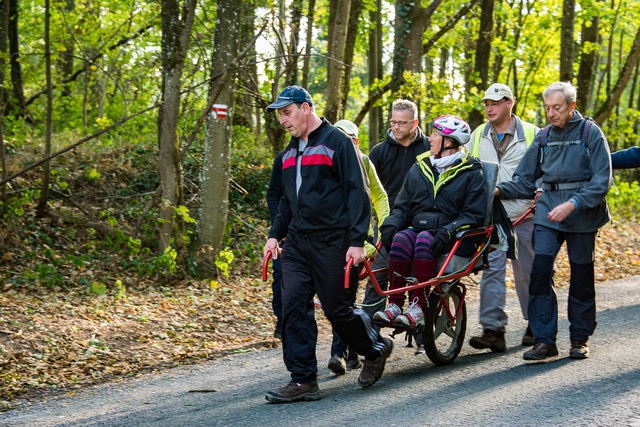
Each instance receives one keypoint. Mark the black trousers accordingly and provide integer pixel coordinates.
(314, 264)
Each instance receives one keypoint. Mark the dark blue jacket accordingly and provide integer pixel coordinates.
(626, 159)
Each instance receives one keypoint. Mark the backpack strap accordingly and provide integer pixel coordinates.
(586, 125)
(588, 121)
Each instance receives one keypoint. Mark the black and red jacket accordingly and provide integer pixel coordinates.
(333, 194)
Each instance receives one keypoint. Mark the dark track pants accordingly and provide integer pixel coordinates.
(543, 303)
(314, 264)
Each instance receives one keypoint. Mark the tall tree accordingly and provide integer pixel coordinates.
(307, 49)
(17, 104)
(294, 41)
(4, 30)
(46, 174)
(350, 47)
(338, 23)
(613, 97)
(176, 30)
(483, 53)
(66, 57)
(588, 51)
(567, 40)
(410, 23)
(217, 146)
(376, 120)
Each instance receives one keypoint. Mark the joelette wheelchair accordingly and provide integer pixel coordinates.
(445, 324)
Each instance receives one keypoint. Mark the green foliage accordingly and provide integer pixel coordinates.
(224, 260)
(92, 175)
(624, 200)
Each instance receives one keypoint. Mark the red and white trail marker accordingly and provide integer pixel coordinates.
(219, 111)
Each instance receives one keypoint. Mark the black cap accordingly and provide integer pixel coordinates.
(289, 95)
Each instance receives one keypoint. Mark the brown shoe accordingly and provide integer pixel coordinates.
(490, 339)
(579, 350)
(372, 369)
(527, 339)
(541, 351)
(294, 392)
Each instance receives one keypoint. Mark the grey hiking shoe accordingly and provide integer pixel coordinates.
(294, 392)
(372, 369)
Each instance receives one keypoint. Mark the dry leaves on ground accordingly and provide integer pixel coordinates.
(54, 342)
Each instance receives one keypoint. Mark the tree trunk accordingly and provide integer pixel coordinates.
(410, 24)
(376, 121)
(46, 178)
(4, 35)
(483, 53)
(588, 52)
(176, 29)
(335, 66)
(294, 41)
(17, 105)
(66, 58)
(567, 40)
(307, 51)
(350, 46)
(623, 78)
(243, 114)
(217, 145)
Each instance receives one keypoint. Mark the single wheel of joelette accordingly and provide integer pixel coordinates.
(443, 337)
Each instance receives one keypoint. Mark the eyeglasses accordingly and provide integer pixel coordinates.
(399, 122)
(494, 105)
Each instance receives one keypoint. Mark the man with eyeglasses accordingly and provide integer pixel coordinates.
(392, 159)
(504, 139)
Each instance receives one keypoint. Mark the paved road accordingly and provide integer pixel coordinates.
(477, 389)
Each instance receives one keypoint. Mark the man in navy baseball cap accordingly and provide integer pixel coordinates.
(289, 95)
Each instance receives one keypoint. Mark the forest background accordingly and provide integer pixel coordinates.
(135, 150)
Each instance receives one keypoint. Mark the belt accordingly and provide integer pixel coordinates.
(555, 186)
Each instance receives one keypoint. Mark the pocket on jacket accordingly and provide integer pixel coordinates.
(425, 221)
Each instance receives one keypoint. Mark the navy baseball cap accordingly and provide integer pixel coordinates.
(289, 95)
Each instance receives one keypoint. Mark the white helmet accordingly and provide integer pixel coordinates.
(453, 127)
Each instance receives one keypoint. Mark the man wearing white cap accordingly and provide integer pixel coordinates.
(504, 139)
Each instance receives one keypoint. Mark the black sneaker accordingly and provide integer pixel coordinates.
(372, 369)
(579, 350)
(277, 333)
(294, 392)
(541, 351)
(337, 365)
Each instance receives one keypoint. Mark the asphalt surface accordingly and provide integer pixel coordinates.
(479, 388)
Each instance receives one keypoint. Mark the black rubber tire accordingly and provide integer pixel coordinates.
(442, 338)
